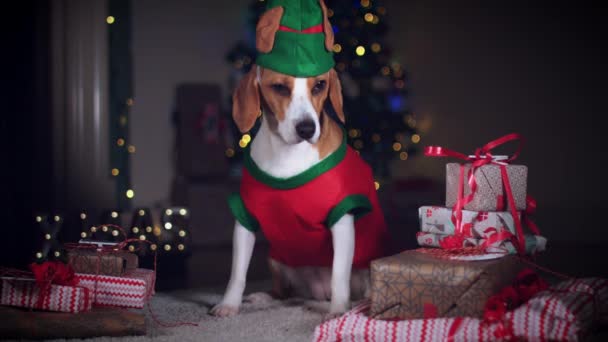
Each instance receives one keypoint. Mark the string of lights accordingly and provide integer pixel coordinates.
(49, 248)
(170, 233)
(120, 99)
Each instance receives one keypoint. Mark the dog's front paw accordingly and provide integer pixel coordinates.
(224, 310)
(335, 311)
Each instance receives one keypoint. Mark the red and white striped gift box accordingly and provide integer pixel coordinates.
(132, 290)
(564, 312)
(25, 293)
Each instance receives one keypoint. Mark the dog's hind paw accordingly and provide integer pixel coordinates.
(223, 310)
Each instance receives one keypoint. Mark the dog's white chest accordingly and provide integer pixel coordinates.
(278, 159)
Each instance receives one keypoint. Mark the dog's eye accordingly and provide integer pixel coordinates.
(280, 89)
(318, 87)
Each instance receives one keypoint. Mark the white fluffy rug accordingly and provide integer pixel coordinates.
(289, 320)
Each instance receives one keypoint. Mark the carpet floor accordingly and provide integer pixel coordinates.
(287, 320)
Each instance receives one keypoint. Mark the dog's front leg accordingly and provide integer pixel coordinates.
(343, 236)
(242, 244)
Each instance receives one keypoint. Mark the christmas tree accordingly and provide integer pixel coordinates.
(379, 123)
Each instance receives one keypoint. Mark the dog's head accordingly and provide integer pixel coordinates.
(291, 105)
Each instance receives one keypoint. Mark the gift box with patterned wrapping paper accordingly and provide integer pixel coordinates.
(478, 224)
(114, 263)
(488, 229)
(132, 290)
(414, 284)
(26, 293)
(567, 311)
(490, 194)
(534, 243)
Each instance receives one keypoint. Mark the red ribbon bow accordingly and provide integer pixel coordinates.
(48, 273)
(482, 157)
(53, 272)
(526, 285)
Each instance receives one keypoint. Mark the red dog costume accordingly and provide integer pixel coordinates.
(296, 213)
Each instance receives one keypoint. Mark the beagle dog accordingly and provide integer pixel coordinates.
(321, 241)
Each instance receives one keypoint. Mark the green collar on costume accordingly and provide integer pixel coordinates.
(300, 179)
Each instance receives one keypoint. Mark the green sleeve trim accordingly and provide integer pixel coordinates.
(241, 214)
(358, 205)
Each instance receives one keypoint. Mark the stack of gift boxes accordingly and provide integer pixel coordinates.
(472, 279)
(471, 247)
(486, 220)
(94, 276)
(113, 277)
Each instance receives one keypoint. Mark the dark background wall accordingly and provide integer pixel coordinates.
(26, 149)
(483, 69)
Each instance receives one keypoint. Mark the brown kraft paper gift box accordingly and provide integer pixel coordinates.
(413, 285)
(490, 190)
(111, 264)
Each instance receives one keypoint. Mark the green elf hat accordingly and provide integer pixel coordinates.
(295, 37)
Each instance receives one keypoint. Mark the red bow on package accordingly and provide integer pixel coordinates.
(526, 285)
(482, 157)
(51, 272)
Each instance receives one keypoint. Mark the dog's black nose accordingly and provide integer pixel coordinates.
(306, 129)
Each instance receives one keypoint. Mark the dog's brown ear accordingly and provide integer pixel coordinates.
(327, 29)
(335, 93)
(267, 27)
(246, 101)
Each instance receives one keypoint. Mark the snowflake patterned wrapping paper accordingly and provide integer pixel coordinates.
(490, 194)
(414, 285)
(132, 290)
(534, 243)
(477, 224)
(564, 312)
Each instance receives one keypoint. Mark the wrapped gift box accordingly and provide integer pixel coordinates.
(490, 194)
(414, 284)
(25, 293)
(477, 224)
(565, 312)
(534, 243)
(115, 263)
(132, 290)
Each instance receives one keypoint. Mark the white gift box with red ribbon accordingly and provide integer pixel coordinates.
(132, 290)
(564, 312)
(26, 293)
(534, 243)
(476, 224)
